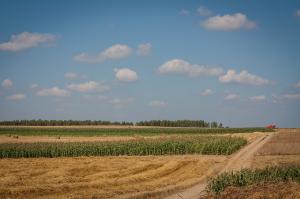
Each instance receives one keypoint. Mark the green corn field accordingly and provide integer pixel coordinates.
(185, 145)
(53, 131)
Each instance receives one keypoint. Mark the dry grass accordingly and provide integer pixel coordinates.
(281, 190)
(32, 139)
(275, 160)
(100, 177)
(250, 137)
(282, 150)
(286, 142)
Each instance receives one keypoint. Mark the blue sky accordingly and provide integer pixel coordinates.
(237, 62)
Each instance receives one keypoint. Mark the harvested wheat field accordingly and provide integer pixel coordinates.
(283, 149)
(101, 177)
(33, 139)
(286, 142)
(275, 160)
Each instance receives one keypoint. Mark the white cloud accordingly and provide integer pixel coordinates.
(184, 12)
(33, 86)
(54, 91)
(298, 13)
(16, 97)
(126, 75)
(228, 22)
(203, 11)
(90, 86)
(144, 49)
(243, 77)
(292, 96)
(121, 102)
(7, 83)
(95, 97)
(297, 85)
(158, 103)
(117, 51)
(179, 66)
(207, 92)
(258, 98)
(26, 40)
(71, 75)
(232, 96)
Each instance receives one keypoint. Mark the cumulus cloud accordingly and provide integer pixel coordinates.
(292, 96)
(184, 12)
(90, 86)
(117, 51)
(71, 75)
(126, 75)
(144, 49)
(179, 66)
(121, 102)
(207, 92)
(228, 22)
(7, 83)
(258, 98)
(203, 11)
(297, 85)
(232, 96)
(158, 103)
(16, 97)
(54, 91)
(243, 77)
(26, 40)
(33, 86)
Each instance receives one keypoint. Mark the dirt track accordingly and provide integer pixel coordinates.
(241, 159)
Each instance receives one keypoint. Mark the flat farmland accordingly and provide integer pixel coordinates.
(101, 177)
(119, 131)
(127, 162)
(21, 138)
(287, 142)
(282, 150)
(278, 160)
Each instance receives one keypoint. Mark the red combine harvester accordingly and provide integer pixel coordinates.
(271, 126)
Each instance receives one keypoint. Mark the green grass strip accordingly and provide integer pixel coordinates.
(52, 131)
(248, 177)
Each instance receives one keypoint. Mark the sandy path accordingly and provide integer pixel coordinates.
(240, 160)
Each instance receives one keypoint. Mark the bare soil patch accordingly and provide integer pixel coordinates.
(100, 177)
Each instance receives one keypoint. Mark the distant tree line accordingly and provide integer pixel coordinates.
(163, 123)
(62, 123)
(180, 123)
